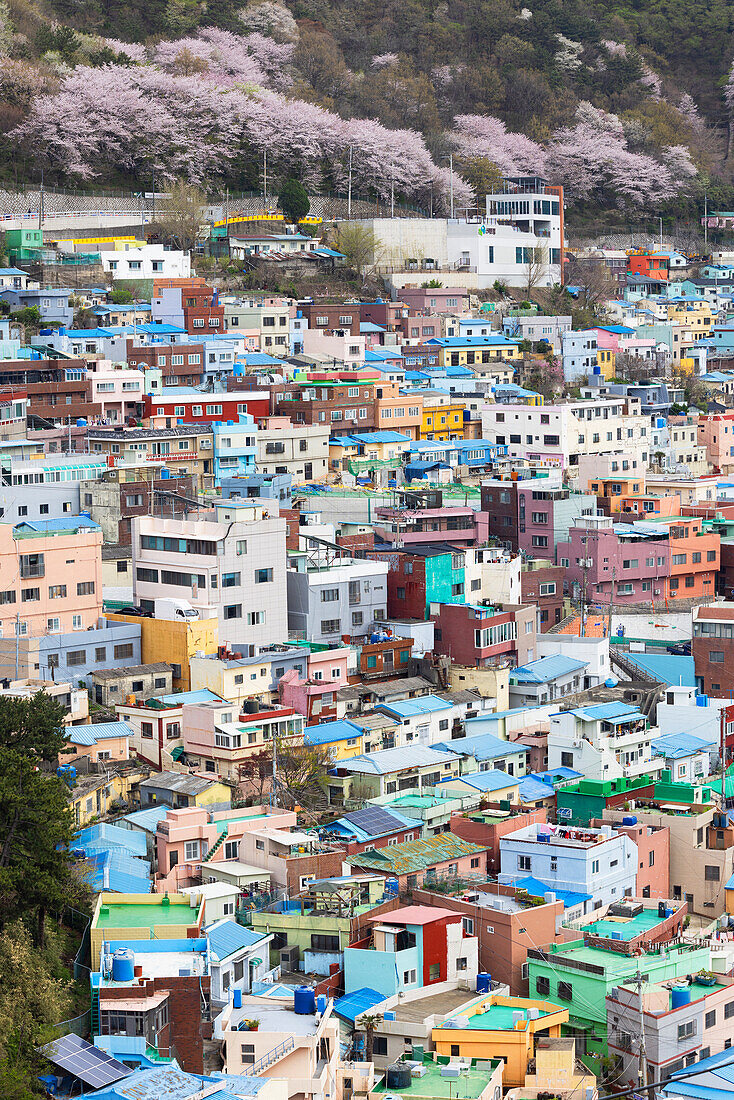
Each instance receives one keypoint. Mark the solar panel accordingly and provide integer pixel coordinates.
(373, 820)
(91, 1065)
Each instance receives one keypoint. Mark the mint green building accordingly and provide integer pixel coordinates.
(580, 977)
(589, 798)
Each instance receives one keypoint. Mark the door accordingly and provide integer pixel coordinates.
(308, 470)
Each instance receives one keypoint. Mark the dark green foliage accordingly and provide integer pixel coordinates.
(293, 200)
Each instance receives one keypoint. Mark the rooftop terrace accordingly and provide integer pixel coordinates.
(471, 1086)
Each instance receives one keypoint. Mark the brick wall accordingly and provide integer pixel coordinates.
(479, 832)
(184, 1030)
(320, 865)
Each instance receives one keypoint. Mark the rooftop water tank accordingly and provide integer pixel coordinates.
(484, 983)
(237, 998)
(398, 1076)
(123, 965)
(388, 1015)
(702, 700)
(680, 995)
(304, 1001)
(629, 820)
(321, 1002)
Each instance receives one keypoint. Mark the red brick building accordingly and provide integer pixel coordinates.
(499, 500)
(180, 364)
(488, 826)
(712, 648)
(331, 317)
(343, 406)
(544, 587)
(484, 637)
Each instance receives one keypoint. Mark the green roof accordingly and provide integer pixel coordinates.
(626, 927)
(417, 855)
(130, 915)
(432, 1084)
(499, 1018)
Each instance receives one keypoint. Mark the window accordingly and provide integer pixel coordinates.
(231, 849)
(320, 942)
(379, 1045)
(85, 588)
(542, 985)
(241, 546)
(32, 565)
(124, 650)
(716, 656)
(330, 626)
(100, 653)
(434, 972)
(710, 1019)
(191, 850)
(523, 863)
(711, 874)
(233, 611)
(53, 626)
(329, 595)
(729, 1010)
(468, 925)
(30, 595)
(146, 729)
(262, 576)
(230, 580)
(565, 991)
(255, 618)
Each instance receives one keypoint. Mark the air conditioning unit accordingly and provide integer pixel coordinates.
(656, 591)
(578, 743)
(206, 444)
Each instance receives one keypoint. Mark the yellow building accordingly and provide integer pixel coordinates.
(93, 795)
(443, 418)
(466, 351)
(556, 1071)
(174, 641)
(343, 739)
(232, 679)
(377, 446)
(605, 360)
(500, 1027)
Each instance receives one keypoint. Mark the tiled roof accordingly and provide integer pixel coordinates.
(417, 855)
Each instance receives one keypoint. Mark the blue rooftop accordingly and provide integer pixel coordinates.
(545, 669)
(98, 731)
(492, 780)
(147, 819)
(202, 695)
(226, 936)
(666, 667)
(675, 746)
(617, 713)
(482, 746)
(51, 526)
(327, 732)
(533, 790)
(537, 888)
(472, 341)
(411, 708)
(358, 1003)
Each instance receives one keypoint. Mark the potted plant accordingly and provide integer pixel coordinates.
(252, 1025)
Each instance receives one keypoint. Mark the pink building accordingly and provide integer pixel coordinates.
(435, 300)
(414, 527)
(716, 434)
(52, 576)
(600, 552)
(188, 838)
(314, 695)
(119, 390)
(218, 740)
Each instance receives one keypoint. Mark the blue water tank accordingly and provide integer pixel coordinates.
(484, 982)
(165, 474)
(86, 515)
(611, 682)
(388, 1015)
(67, 772)
(680, 995)
(237, 998)
(660, 422)
(702, 700)
(321, 1002)
(81, 422)
(629, 820)
(304, 1001)
(123, 965)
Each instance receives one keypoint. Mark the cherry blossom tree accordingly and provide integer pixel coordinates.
(484, 136)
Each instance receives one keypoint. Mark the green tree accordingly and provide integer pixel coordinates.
(368, 1024)
(179, 223)
(121, 296)
(35, 820)
(358, 244)
(293, 200)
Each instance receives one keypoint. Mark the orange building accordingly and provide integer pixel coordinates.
(395, 411)
(650, 264)
(694, 559)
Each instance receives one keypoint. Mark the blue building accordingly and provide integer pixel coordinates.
(235, 447)
(51, 302)
(271, 486)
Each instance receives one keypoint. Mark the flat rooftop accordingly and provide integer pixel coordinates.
(280, 1018)
(470, 1085)
(127, 915)
(433, 1003)
(222, 826)
(626, 927)
(498, 1018)
(160, 964)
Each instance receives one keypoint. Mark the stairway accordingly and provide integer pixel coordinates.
(273, 1055)
(94, 1013)
(215, 847)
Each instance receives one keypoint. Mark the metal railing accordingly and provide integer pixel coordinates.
(273, 1055)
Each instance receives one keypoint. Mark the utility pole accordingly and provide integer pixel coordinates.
(642, 1069)
(722, 750)
(40, 204)
(17, 644)
(451, 183)
(349, 187)
(265, 179)
(274, 796)
(392, 191)
(705, 221)
(611, 604)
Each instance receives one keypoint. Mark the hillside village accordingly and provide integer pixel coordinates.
(373, 654)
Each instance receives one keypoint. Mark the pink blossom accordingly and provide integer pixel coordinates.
(484, 136)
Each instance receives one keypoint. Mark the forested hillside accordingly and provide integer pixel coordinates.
(624, 104)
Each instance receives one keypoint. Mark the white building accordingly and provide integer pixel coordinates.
(332, 594)
(597, 865)
(148, 261)
(561, 434)
(578, 350)
(231, 557)
(605, 741)
(537, 328)
(301, 450)
(594, 652)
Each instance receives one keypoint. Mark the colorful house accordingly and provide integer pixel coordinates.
(500, 1027)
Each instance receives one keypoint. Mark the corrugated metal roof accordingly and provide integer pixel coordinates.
(99, 731)
(492, 780)
(106, 835)
(226, 936)
(177, 781)
(326, 732)
(674, 746)
(393, 760)
(147, 819)
(606, 712)
(416, 855)
(667, 668)
(545, 669)
(482, 746)
(533, 790)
